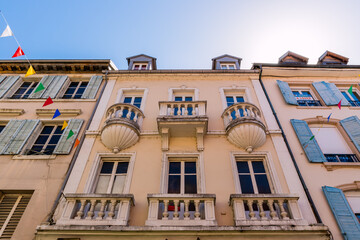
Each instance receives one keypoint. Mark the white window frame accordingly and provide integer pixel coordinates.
(133, 92)
(79, 82)
(96, 167)
(141, 64)
(227, 65)
(36, 133)
(265, 157)
(307, 90)
(234, 91)
(347, 93)
(182, 171)
(183, 91)
(350, 195)
(200, 171)
(32, 84)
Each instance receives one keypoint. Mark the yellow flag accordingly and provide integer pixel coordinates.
(64, 125)
(31, 71)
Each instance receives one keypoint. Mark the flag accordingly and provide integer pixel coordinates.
(312, 137)
(329, 117)
(339, 105)
(48, 102)
(39, 88)
(76, 143)
(350, 90)
(56, 114)
(19, 52)
(70, 134)
(7, 32)
(30, 71)
(64, 125)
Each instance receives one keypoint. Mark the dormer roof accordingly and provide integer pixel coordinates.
(293, 58)
(332, 58)
(226, 58)
(142, 58)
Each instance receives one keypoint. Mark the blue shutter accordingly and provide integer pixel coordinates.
(7, 83)
(339, 95)
(330, 94)
(92, 87)
(287, 93)
(352, 128)
(65, 145)
(311, 148)
(346, 219)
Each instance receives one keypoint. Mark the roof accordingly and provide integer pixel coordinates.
(153, 60)
(338, 57)
(294, 55)
(224, 56)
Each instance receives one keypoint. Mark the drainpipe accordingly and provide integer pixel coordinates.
(313, 207)
(73, 159)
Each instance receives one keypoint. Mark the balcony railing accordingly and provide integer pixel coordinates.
(354, 103)
(126, 113)
(310, 103)
(181, 210)
(183, 109)
(241, 111)
(341, 158)
(266, 209)
(96, 209)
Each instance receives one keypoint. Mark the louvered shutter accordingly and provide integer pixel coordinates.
(338, 95)
(7, 83)
(346, 219)
(21, 137)
(8, 133)
(92, 87)
(2, 77)
(64, 145)
(352, 128)
(287, 93)
(53, 89)
(311, 148)
(45, 81)
(330, 94)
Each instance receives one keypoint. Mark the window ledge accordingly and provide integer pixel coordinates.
(354, 108)
(11, 112)
(34, 157)
(64, 112)
(330, 166)
(43, 100)
(313, 107)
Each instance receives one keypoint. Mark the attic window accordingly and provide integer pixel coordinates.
(230, 66)
(140, 66)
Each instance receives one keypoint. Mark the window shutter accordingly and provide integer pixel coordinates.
(346, 219)
(311, 148)
(2, 77)
(64, 145)
(45, 81)
(8, 132)
(287, 93)
(339, 95)
(92, 87)
(330, 93)
(21, 136)
(7, 83)
(55, 86)
(352, 128)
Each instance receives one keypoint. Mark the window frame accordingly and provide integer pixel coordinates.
(182, 172)
(312, 93)
(79, 82)
(354, 89)
(141, 64)
(133, 92)
(36, 133)
(234, 91)
(183, 91)
(227, 65)
(33, 84)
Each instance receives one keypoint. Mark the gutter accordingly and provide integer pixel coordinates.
(313, 207)
(76, 154)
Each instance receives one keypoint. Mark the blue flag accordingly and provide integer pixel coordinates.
(56, 114)
(329, 117)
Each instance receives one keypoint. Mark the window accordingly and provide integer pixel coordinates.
(305, 98)
(75, 90)
(136, 101)
(353, 98)
(230, 66)
(253, 177)
(12, 207)
(179, 98)
(353, 198)
(112, 177)
(24, 90)
(231, 100)
(1, 128)
(46, 141)
(140, 66)
(182, 177)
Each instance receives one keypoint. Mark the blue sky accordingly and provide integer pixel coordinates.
(182, 34)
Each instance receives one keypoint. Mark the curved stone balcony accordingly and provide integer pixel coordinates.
(122, 126)
(244, 127)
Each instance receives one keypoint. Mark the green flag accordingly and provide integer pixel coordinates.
(350, 90)
(312, 138)
(70, 134)
(39, 88)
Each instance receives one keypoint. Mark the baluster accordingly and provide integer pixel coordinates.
(283, 213)
(196, 110)
(237, 111)
(120, 112)
(186, 213)
(197, 212)
(251, 210)
(165, 213)
(243, 109)
(179, 110)
(171, 109)
(112, 209)
(272, 211)
(176, 210)
(128, 115)
(102, 208)
(80, 213)
(262, 213)
(136, 116)
(90, 213)
(229, 115)
(186, 112)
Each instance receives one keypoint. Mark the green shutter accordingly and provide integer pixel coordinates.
(92, 87)
(352, 128)
(8, 132)
(330, 94)
(345, 218)
(311, 148)
(20, 138)
(45, 81)
(287, 93)
(7, 83)
(53, 89)
(64, 145)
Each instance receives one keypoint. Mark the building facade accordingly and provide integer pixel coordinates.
(35, 152)
(183, 154)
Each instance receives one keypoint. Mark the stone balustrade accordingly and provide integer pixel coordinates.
(183, 109)
(96, 209)
(181, 210)
(124, 111)
(242, 110)
(266, 209)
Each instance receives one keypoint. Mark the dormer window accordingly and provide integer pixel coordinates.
(141, 62)
(226, 62)
(230, 66)
(330, 58)
(140, 66)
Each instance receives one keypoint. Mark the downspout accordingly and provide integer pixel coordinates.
(313, 207)
(76, 154)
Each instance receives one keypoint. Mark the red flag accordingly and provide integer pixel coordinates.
(19, 52)
(76, 143)
(48, 102)
(339, 105)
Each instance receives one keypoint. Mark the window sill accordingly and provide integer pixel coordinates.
(34, 157)
(330, 166)
(354, 108)
(313, 107)
(43, 99)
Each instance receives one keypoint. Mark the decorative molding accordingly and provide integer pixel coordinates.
(165, 136)
(92, 133)
(200, 138)
(330, 166)
(64, 112)
(11, 112)
(355, 186)
(34, 157)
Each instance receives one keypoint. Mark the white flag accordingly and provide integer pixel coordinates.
(7, 32)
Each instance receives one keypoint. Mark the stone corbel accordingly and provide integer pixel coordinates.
(200, 138)
(165, 136)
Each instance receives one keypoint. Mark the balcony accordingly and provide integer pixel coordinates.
(122, 126)
(182, 119)
(96, 209)
(181, 210)
(244, 127)
(266, 209)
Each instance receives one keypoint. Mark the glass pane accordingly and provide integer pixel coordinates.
(107, 167)
(119, 183)
(174, 167)
(246, 184)
(174, 184)
(231, 67)
(240, 99)
(78, 96)
(127, 100)
(58, 130)
(47, 129)
(70, 90)
(243, 167)
(223, 67)
(230, 101)
(122, 167)
(190, 167)
(41, 139)
(188, 99)
(178, 99)
(143, 67)
(1, 128)
(49, 149)
(262, 183)
(190, 184)
(258, 167)
(137, 100)
(80, 90)
(102, 184)
(54, 139)
(136, 67)
(346, 96)
(84, 84)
